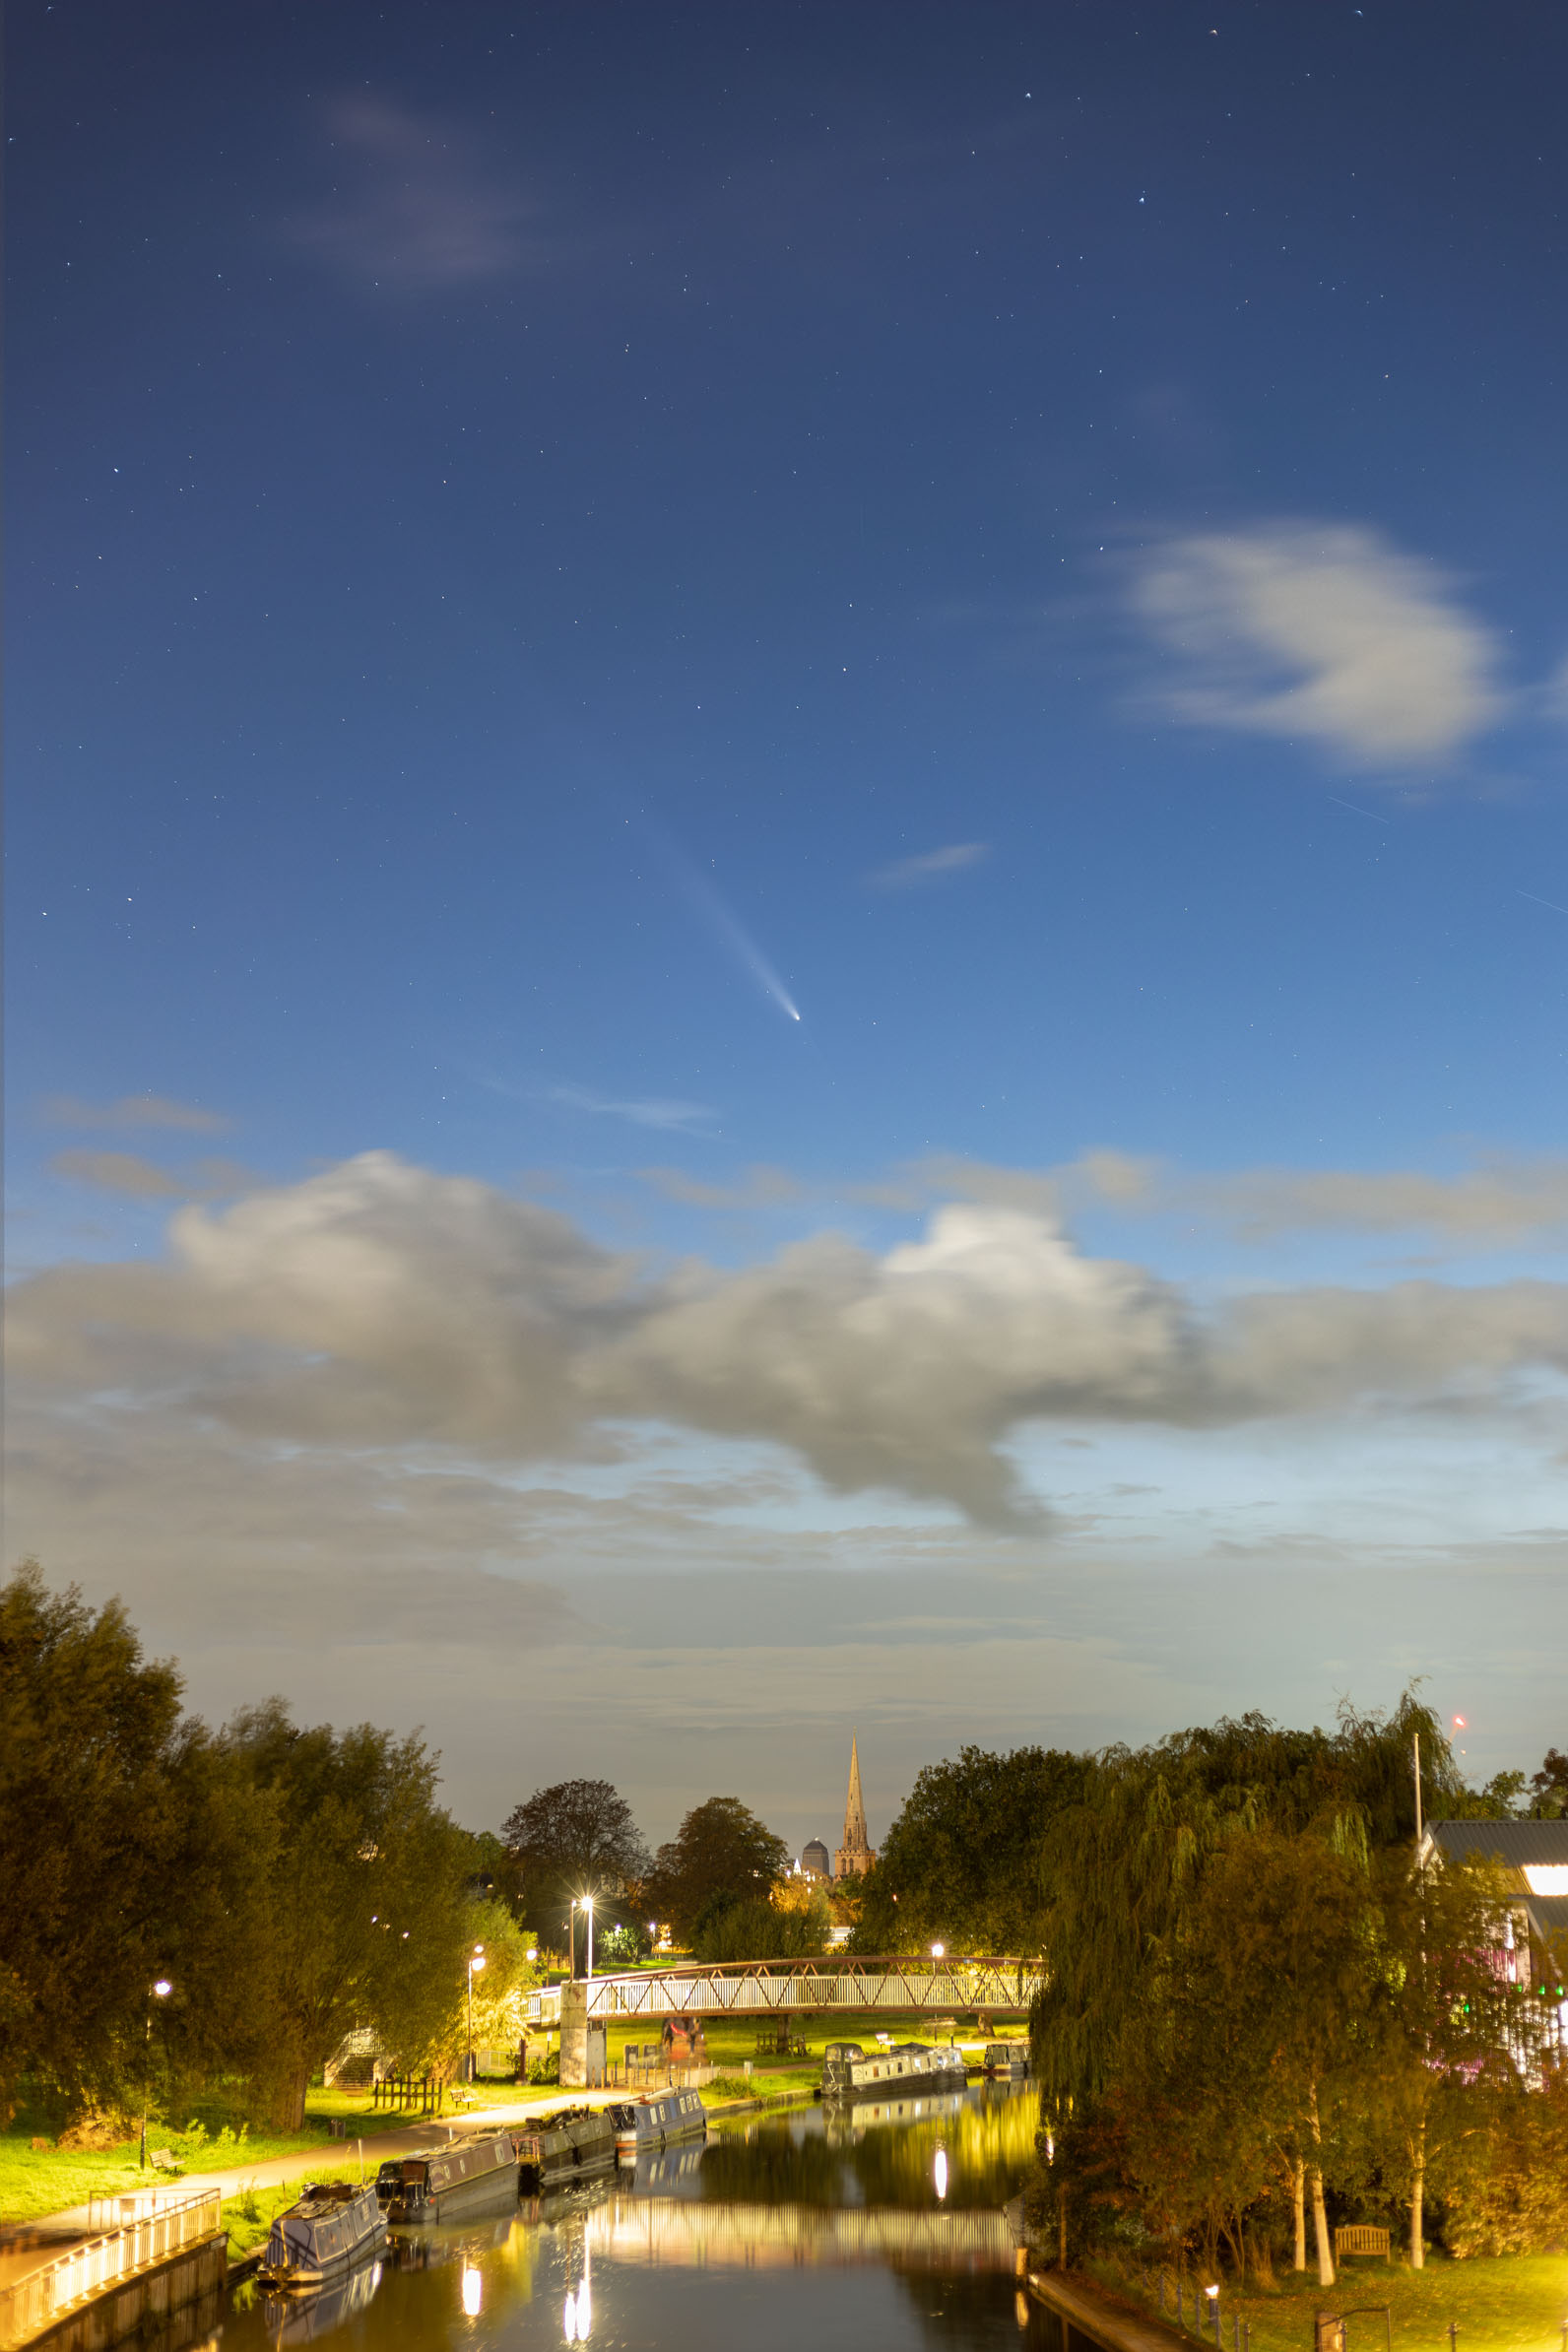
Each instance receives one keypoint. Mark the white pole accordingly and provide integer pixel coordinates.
(1415, 1740)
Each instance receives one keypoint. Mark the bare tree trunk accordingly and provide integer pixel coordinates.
(1320, 2218)
(1298, 2186)
(1418, 2198)
(1319, 2231)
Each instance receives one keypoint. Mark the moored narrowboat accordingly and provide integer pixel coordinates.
(450, 2180)
(572, 2145)
(656, 2121)
(849, 2073)
(1007, 2061)
(322, 2235)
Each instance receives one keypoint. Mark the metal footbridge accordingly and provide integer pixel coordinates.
(922, 1988)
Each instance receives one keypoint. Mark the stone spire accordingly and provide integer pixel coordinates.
(855, 1856)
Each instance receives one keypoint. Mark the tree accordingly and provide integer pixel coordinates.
(1116, 1867)
(500, 1988)
(573, 1838)
(751, 1927)
(721, 1850)
(367, 1910)
(1550, 1787)
(961, 1863)
(128, 1852)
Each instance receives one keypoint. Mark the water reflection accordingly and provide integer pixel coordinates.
(881, 2224)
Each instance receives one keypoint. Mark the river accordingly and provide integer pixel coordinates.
(802, 2231)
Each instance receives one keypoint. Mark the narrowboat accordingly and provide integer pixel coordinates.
(1007, 2061)
(295, 2319)
(572, 2145)
(849, 2073)
(322, 2235)
(656, 2121)
(450, 2180)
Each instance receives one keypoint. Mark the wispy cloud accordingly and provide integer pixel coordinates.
(118, 1172)
(1326, 634)
(676, 1118)
(414, 206)
(134, 1110)
(931, 865)
(760, 1188)
(142, 1179)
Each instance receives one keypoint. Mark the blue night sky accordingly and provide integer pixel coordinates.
(787, 876)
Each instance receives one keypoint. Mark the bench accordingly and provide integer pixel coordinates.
(1360, 2238)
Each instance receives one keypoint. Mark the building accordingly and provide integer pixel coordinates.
(1534, 1860)
(853, 1856)
(815, 1862)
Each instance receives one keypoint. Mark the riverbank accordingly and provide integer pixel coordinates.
(1507, 2302)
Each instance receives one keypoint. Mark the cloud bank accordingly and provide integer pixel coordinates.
(381, 1305)
(1325, 635)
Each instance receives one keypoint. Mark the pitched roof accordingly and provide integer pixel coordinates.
(1518, 1843)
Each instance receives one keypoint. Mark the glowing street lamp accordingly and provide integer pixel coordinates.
(938, 1951)
(161, 1990)
(476, 1961)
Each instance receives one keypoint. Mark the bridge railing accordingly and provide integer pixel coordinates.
(899, 1981)
(34, 2302)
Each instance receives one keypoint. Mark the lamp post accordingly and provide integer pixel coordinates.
(584, 1904)
(476, 1961)
(161, 1990)
(588, 1906)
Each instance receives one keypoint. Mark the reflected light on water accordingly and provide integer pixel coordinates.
(941, 2170)
(579, 2315)
(471, 2292)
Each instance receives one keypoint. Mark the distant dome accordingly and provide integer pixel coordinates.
(815, 1858)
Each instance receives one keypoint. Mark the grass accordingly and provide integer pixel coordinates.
(1509, 2303)
(249, 2217)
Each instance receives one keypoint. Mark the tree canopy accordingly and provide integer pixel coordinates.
(573, 1838)
(961, 1865)
(720, 1851)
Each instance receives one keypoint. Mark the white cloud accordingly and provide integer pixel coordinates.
(1325, 635)
(930, 866)
(379, 1305)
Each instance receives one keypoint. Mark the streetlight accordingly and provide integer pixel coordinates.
(938, 1951)
(583, 1903)
(161, 1990)
(476, 1961)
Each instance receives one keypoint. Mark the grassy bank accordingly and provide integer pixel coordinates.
(1513, 2303)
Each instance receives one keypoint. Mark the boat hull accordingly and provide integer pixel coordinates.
(321, 2239)
(656, 2121)
(450, 2182)
(892, 2075)
(569, 2146)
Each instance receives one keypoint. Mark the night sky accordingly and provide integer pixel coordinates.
(787, 873)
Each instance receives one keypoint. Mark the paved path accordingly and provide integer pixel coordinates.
(323, 2155)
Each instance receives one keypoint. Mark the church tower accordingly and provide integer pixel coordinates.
(853, 1856)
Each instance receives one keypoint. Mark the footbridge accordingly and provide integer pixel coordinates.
(919, 1988)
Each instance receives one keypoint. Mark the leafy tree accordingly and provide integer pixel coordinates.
(573, 1838)
(722, 1849)
(1115, 1867)
(500, 1988)
(369, 1911)
(960, 1865)
(1550, 1787)
(128, 1852)
(750, 1928)
(1455, 2034)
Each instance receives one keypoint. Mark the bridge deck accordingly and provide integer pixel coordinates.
(761, 1988)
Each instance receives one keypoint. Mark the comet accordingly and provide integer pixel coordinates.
(728, 929)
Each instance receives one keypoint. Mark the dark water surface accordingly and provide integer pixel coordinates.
(806, 2229)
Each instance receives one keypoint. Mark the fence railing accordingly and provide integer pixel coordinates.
(32, 2303)
(419, 2093)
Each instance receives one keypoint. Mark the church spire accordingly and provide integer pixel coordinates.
(855, 1857)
